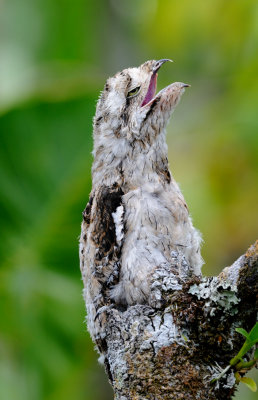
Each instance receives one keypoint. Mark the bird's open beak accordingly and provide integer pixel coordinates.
(159, 63)
(153, 81)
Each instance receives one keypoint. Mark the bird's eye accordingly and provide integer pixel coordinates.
(134, 91)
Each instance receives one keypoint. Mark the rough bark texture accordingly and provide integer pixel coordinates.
(174, 348)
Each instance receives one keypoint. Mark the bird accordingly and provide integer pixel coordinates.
(136, 216)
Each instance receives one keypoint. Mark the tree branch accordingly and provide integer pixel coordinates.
(173, 348)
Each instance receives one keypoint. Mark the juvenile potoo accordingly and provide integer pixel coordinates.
(136, 216)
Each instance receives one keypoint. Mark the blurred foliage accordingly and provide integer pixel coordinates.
(54, 58)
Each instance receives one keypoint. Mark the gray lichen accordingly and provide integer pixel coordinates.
(218, 295)
(175, 347)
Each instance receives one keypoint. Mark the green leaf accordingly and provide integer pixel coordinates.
(245, 365)
(251, 339)
(243, 332)
(250, 383)
(253, 335)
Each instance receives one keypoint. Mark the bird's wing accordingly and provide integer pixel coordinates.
(101, 241)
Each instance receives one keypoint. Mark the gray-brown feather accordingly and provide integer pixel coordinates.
(136, 216)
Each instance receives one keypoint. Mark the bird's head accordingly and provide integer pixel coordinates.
(128, 106)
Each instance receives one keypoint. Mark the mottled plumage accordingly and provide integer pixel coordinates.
(136, 216)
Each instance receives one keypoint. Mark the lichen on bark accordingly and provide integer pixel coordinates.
(175, 347)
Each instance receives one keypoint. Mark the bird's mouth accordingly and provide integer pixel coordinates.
(150, 95)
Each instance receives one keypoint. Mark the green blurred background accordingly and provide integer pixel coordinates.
(55, 56)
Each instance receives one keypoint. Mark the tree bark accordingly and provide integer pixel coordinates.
(173, 348)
